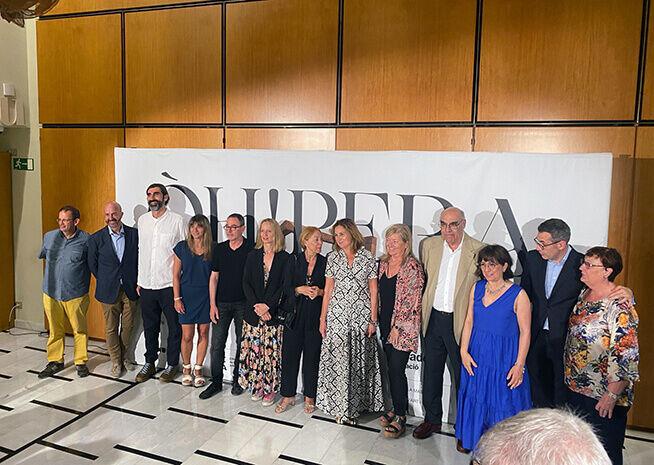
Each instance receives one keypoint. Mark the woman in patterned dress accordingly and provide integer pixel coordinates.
(601, 352)
(349, 380)
(266, 275)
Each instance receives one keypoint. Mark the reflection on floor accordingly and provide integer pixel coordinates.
(68, 420)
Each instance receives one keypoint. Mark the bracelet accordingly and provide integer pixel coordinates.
(612, 395)
(177, 298)
(519, 366)
(374, 323)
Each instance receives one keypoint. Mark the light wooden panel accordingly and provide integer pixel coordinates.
(408, 60)
(77, 6)
(6, 244)
(453, 139)
(172, 61)
(281, 61)
(648, 83)
(77, 167)
(79, 74)
(280, 139)
(640, 263)
(559, 59)
(619, 141)
(159, 138)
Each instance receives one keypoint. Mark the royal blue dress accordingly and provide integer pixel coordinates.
(485, 399)
(194, 285)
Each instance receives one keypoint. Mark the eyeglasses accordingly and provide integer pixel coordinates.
(453, 225)
(490, 265)
(228, 227)
(542, 245)
(591, 265)
(64, 220)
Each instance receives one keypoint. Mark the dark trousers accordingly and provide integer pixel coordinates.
(153, 303)
(439, 343)
(546, 372)
(397, 360)
(303, 339)
(227, 311)
(610, 431)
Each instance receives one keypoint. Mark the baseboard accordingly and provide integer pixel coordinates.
(27, 324)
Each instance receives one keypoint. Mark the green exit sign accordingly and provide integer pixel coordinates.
(23, 164)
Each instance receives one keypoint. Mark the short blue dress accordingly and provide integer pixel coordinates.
(485, 399)
(194, 285)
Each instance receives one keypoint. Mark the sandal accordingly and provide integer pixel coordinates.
(187, 378)
(346, 421)
(199, 379)
(392, 431)
(309, 405)
(386, 419)
(284, 405)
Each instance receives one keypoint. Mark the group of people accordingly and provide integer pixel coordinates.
(565, 336)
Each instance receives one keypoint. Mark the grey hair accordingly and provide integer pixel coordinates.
(539, 436)
(455, 209)
(558, 229)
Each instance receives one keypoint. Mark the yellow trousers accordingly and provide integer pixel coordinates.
(57, 311)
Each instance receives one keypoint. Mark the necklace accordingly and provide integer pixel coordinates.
(492, 292)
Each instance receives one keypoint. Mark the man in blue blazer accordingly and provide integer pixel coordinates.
(113, 260)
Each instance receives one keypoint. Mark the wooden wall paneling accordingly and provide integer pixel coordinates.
(648, 83)
(408, 60)
(77, 167)
(78, 6)
(280, 139)
(189, 138)
(617, 140)
(79, 62)
(640, 263)
(172, 65)
(448, 139)
(6, 244)
(559, 60)
(281, 61)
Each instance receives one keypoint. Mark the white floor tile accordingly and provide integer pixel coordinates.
(27, 423)
(38, 454)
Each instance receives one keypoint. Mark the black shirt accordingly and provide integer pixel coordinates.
(230, 264)
(387, 299)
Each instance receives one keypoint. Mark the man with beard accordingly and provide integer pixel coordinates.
(113, 259)
(159, 231)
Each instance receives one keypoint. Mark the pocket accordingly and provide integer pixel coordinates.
(76, 257)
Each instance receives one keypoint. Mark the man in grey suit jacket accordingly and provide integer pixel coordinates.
(450, 262)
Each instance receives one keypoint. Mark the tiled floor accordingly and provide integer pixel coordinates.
(68, 420)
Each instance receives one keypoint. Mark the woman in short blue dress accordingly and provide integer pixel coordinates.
(191, 271)
(494, 346)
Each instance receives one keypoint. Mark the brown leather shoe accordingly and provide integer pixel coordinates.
(425, 429)
(460, 448)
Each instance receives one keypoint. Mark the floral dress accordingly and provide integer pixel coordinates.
(260, 362)
(349, 379)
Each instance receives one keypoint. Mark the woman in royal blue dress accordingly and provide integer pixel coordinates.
(494, 346)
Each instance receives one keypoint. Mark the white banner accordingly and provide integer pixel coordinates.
(504, 195)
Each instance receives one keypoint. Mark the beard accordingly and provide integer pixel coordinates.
(155, 205)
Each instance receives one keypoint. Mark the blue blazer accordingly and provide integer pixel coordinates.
(108, 271)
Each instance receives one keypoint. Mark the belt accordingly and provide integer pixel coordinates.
(442, 313)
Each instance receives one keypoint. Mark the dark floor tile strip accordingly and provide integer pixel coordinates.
(444, 433)
(198, 415)
(5, 376)
(636, 438)
(5, 450)
(331, 420)
(5, 351)
(56, 407)
(371, 462)
(142, 453)
(97, 352)
(296, 460)
(62, 378)
(79, 453)
(211, 455)
(130, 412)
(4, 407)
(111, 378)
(273, 420)
(35, 348)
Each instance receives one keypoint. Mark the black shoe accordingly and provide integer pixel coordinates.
(82, 370)
(237, 390)
(50, 369)
(213, 389)
(146, 373)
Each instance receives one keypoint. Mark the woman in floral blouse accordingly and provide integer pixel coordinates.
(400, 303)
(601, 352)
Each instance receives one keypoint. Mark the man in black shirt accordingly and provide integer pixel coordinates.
(227, 301)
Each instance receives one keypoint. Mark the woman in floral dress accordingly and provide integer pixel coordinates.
(349, 380)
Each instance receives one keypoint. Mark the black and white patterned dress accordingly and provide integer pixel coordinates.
(349, 380)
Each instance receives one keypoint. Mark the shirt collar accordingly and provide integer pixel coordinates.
(565, 257)
(71, 237)
(121, 233)
(449, 250)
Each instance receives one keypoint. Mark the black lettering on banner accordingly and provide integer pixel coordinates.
(332, 211)
(350, 206)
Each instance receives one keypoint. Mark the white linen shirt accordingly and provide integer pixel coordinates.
(157, 237)
(444, 294)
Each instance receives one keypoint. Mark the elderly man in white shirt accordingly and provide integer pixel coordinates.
(159, 231)
(450, 265)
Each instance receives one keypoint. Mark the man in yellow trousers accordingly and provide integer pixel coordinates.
(66, 290)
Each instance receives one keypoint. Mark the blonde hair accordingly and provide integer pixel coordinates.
(351, 228)
(206, 240)
(405, 234)
(278, 242)
(306, 233)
